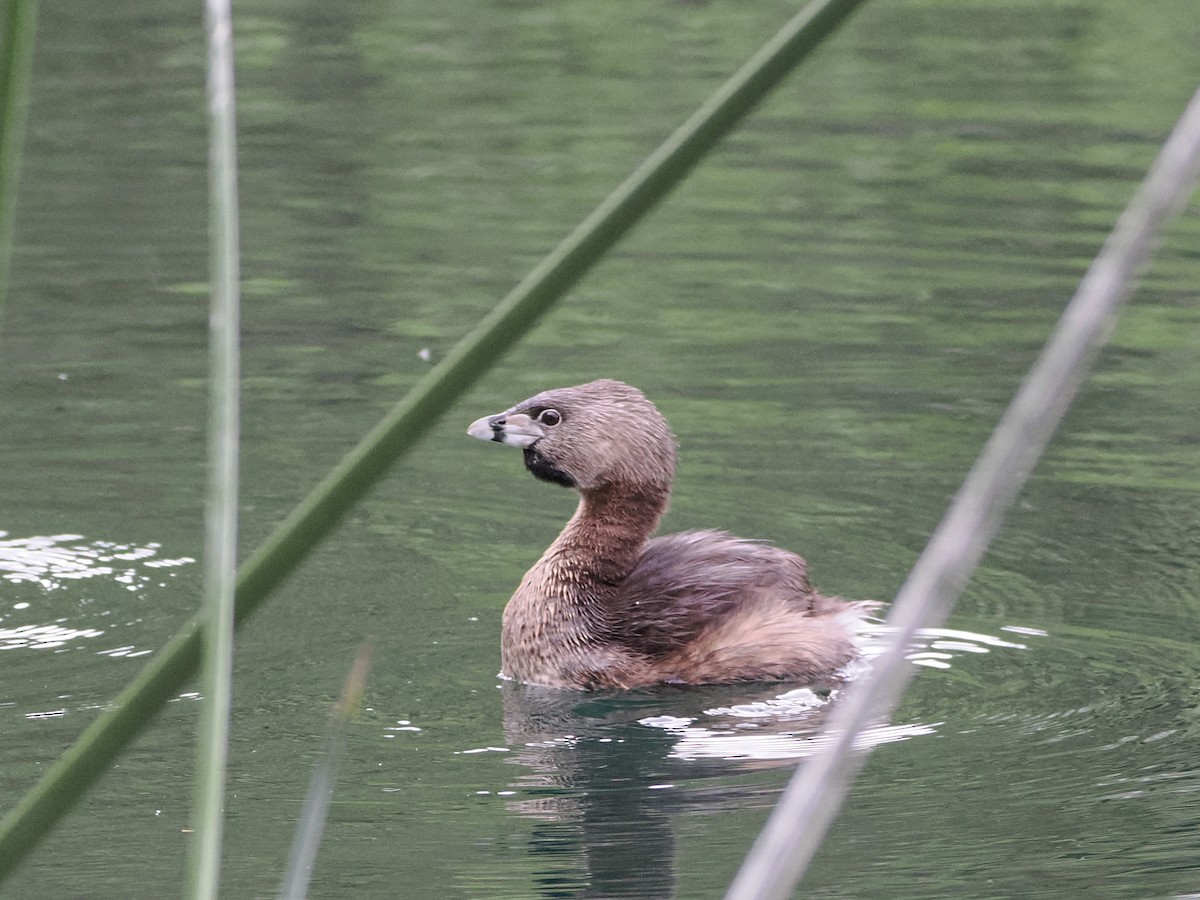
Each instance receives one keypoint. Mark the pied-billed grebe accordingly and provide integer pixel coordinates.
(606, 607)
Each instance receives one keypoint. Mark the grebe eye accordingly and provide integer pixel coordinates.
(549, 417)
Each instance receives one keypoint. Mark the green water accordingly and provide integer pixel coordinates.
(832, 313)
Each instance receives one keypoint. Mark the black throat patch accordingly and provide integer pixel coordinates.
(542, 468)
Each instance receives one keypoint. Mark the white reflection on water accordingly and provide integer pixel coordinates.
(32, 568)
(943, 644)
(725, 742)
(43, 637)
(783, 727)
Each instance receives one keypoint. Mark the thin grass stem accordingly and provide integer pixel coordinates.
(320, 512)
(220, 554)
(20, 22)
(811, 801)
(315, 812)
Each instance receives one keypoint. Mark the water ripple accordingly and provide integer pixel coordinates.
(784, 726)
(33, 569)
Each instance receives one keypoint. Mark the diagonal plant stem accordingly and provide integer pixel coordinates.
(220, 552)
(798, 824)
(319, 513)
(20, 21)
(307, 839)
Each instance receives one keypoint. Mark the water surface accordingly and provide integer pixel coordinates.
(832, 313)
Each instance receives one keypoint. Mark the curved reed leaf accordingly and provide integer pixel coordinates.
(320, 512)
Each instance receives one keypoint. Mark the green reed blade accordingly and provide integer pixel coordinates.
(220, 552)
(318, 514)
(20, 21)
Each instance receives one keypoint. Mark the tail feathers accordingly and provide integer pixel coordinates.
(773, 644)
